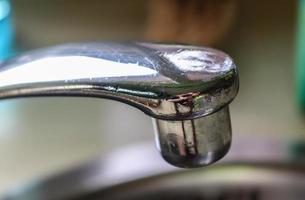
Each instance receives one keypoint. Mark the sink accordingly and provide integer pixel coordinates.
(253, 169)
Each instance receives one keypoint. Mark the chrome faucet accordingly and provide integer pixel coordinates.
(186, 89)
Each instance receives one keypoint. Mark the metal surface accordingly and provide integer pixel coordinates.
(186, 88)
(195, 142)
(232, 181)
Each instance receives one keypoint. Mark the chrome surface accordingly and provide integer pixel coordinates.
(196, 142)
(186, 88)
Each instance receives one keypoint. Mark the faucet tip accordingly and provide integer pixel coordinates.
(197, 142)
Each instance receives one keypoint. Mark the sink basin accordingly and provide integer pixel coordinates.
(232, 181)
(127, 174)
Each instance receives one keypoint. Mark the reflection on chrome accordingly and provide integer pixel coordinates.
(70, 68)
(195, 60)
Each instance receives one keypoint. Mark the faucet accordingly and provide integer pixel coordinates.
(185, 89)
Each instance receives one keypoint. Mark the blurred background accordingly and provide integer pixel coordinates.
(43, 136)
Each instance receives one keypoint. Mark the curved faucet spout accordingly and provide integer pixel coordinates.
(185, 88)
